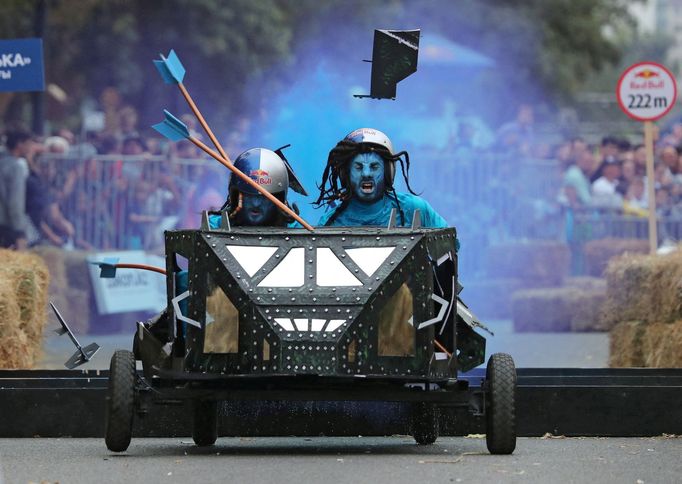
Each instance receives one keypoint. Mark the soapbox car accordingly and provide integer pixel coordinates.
(339, 314)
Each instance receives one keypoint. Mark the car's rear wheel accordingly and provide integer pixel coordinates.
(501, 404)
(205, 422)
(425, 420)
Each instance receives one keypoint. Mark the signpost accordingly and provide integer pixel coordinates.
(647, 91)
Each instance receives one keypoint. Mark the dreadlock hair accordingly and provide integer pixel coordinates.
(336, 178)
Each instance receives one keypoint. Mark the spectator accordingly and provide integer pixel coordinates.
(577, 178)
(578, 147)
(639, 156)
(518, 136)
(44, 211)
(635, 202)
(15, 230)
(604, 193)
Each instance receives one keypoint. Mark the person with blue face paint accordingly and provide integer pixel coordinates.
(357, 184)
(245, 206)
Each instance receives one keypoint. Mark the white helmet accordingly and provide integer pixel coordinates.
(264, 167)
(371, 136)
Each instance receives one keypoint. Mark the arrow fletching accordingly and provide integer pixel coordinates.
(172, 128)
(107, 268)
(171, 69)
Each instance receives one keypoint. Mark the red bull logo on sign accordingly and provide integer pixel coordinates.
(261, 177)
(647, 79)
(647, 74)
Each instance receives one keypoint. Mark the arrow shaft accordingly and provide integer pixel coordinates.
(251, 182)
(202, 121)
(442, 348)
(144, 267)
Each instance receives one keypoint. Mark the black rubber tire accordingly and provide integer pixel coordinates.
(425, 420)
(205, 422)
(120, 406)
(500, 409)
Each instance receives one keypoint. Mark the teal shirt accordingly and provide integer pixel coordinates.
(378, 213)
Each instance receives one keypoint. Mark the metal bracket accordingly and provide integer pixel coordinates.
(416, 219)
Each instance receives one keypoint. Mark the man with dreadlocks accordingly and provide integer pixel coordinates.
(357, 184)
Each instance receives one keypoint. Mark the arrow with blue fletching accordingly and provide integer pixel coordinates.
(174, 129)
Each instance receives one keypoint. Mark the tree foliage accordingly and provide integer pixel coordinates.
(92, 44)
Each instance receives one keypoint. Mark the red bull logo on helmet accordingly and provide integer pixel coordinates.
(261, 177)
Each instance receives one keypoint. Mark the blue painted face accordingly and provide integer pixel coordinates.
(256, 209)
(367, 177)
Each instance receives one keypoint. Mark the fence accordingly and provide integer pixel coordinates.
(118, 202)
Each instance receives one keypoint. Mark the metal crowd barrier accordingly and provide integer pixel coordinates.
(125, 202)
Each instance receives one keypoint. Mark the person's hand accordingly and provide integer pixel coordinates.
(68, 228)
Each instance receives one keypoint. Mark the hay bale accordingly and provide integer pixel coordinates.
(54, 259)
(599, 252)
(625, 345)
(586, 283)
(491, 298)
(655, 345)
(538, 263)
(662, 345)
(587, 315)
(548, 309)
(24, 280)
(557, 309)
(76, 269)
(644, 288)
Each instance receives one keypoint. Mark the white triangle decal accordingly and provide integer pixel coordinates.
(251, 258)
(288, 273)
(369, 259)
(331, 271)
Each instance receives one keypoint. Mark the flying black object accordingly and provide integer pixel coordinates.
(394, 57)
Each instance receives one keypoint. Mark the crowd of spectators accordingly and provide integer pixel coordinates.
(612, 176)
(115, 190)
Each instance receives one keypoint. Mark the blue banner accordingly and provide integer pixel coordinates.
(21, 65)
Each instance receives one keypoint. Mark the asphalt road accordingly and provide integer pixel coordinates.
(339, 460)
